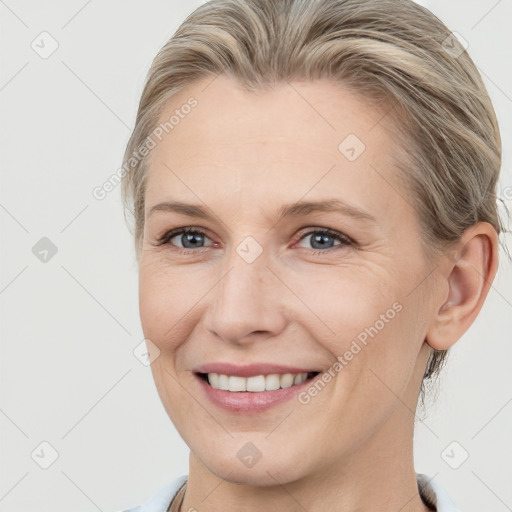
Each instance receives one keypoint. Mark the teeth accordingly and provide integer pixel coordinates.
(257, 383)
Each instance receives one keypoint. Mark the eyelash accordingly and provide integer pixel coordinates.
(165, 239)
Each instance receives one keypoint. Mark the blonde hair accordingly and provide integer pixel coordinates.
(394, 53)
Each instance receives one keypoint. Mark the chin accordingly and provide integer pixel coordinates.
(264, 476)
(267, 471)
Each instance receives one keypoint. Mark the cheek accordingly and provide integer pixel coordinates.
(346, 303)
(368, 322)
(382, 369)
(166, 303)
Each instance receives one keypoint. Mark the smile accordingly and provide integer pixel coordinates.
(254, 394)
(255, 384)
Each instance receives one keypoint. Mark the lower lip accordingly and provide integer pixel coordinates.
(251, 401)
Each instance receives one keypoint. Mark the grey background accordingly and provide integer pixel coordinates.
(69, 325)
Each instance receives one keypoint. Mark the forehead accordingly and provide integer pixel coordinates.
(296, 139)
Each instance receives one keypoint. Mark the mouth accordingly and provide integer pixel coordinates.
(252, 388)
(256, 383)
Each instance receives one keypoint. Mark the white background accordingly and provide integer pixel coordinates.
(69, 326)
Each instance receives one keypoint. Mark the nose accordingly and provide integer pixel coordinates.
(246, 303)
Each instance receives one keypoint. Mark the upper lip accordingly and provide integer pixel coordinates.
(250, 370)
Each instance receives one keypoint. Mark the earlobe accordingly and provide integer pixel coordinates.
(469, 277)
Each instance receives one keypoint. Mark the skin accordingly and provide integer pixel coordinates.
(243, 156)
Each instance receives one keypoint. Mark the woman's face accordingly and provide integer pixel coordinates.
(257, 282)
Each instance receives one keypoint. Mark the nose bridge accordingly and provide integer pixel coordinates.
(245, 300)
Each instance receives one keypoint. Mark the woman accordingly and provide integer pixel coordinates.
(313, 189)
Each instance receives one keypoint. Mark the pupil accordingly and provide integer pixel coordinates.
(190, 237)
(320, 238)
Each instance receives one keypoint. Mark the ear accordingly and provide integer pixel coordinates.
(469, 271)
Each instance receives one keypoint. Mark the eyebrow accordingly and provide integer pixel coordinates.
(289, 210)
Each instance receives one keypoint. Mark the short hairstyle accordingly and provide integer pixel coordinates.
(394, 54)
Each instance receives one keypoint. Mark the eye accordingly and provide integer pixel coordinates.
(189, 237)
(322, 239)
